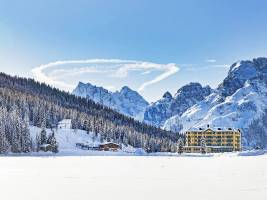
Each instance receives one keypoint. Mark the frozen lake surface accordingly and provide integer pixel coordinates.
(120, 177)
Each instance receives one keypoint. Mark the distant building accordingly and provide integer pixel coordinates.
(46, 147)
(110, 146)
(64, 124)
(216, 139)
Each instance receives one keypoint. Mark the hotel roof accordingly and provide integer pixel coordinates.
(212, 128)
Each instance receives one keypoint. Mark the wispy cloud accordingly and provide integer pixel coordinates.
(51, 73)
(146, 72)
(57, 73)
(210, 60)
(168, 69)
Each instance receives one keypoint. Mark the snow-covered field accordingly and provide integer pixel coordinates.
(144, 177)
(75, 174)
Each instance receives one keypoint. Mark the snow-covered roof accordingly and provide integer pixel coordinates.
(105, 143)
(213, 128)
(65, 121)
(45, 145)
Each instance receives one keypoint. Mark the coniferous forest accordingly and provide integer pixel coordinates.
(25, 102)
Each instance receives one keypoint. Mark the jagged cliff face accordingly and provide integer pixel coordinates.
(157, 113)
(97, 94)
(125, 101)
(239, 101)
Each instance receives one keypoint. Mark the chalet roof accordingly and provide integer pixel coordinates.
(105, 143)
(45, 145)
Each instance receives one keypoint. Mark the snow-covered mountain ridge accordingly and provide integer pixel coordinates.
(157, 113)
(125, 101)
(240, 101)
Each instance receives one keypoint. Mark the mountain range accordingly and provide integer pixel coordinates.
(126, 101)
(240, 101)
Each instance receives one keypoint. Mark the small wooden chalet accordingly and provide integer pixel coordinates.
(109, 146)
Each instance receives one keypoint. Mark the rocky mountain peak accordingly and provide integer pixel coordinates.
(125, 90)
(125, 101)
(192, 89)
(242, 71)
(167, 95)
(260, 62)
(157, 113)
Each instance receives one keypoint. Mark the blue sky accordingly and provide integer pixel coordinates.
(163, 43)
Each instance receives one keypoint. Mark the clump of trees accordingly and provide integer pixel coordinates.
(14, 131)
(257, 132)
(49, 142)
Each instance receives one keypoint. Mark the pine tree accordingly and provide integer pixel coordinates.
(180, 146)
(38, 143)
(26, 137)
(16, 132)
(203, 145)
(4, 144)
(54, 144)
(43, 137)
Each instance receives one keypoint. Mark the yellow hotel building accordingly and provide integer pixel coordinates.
(216, 140)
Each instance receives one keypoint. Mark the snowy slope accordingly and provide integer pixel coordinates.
(67, 139)
(125, 101)
(237, 102)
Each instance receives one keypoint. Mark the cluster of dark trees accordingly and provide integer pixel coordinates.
(257, 132)
(15, 134)
(14, 131)
(46, 142)
(41, 105)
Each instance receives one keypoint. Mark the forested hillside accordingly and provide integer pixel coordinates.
(25, 101)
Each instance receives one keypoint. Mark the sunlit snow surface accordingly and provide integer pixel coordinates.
(145, 177)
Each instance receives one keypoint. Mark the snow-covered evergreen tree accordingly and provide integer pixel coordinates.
(26, 141)
(38, 142)
(4, 144)
(54, 144)
(43, 136)
(16, 132)
(180, 146)
(203, 145)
